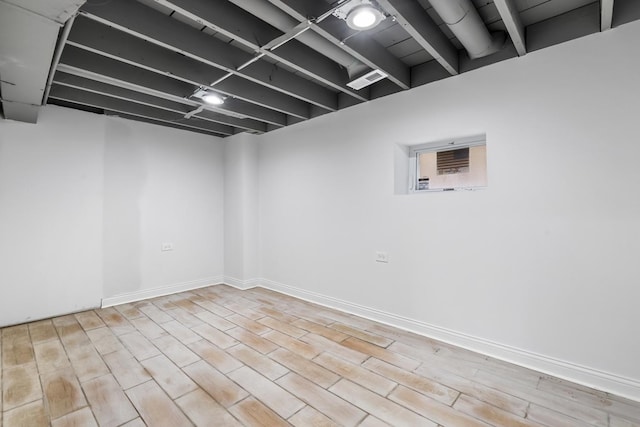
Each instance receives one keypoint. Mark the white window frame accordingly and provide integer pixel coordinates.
(434, 147)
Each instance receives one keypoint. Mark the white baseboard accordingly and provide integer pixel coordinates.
(241, 284)
(624, 387)
(161, 291)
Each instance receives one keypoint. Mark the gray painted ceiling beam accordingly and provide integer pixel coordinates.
(102, 39)
(417, 22)
(606, 14)
(511, 19)
(252, 32)
(161, 123)
(71, 80)
(366, 50)
(169, 33)
(160, 85)
(100, 101)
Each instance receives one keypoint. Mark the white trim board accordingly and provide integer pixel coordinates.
(161, 291)
(241, 284)
(624, 387)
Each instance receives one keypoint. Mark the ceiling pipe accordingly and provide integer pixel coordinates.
(282, 21)
(463, 20)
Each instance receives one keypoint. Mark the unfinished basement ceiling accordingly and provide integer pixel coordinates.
(276, 62)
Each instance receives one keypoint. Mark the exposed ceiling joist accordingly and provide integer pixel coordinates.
(158, 122)
(107, 41)
(108, 103)
(254, 33)
(606, 14)
(108, 89)
(415, 20)
(512, 21)
(171, 34)
(366, 50)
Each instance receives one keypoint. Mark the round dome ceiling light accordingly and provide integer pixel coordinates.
(213, 99)
(364, 17)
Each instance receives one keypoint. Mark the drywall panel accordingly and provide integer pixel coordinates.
(161, 186)
(543, 260)
(50, 215)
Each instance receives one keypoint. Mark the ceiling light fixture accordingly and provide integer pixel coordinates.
(208, 97)
(360, 15)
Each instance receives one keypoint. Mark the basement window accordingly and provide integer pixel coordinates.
(456, 164)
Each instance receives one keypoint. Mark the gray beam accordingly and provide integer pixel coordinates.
(107, 41)
(606, 14)
(364, 49)
(252, 32)
(160, 123)
(102, 88)
(101, 101)
(169, 33)
(159, 85)
(417, 22)
(511, 19)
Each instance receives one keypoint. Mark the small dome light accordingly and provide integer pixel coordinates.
(213, 99)
(364, 17)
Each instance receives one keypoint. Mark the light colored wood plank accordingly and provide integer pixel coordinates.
(155, 407)
(80, 418)
(184, 317)
(302, 366)
(62, 393)
(104, 340)
(381, 353)
(176, 351)
(140, 347)
(550, 418)
(275, 397)
(89, 320)
(432, 409)
(309, 417)
(252, 340)
(257, 361)
(364, 336)
(356, 373)
(129, 311)
(50, 356)
(87, 363)
(20, 385)
(490, 414)
(218, 358)
(335, 348)
(108, 402)
(42, 331)
(374, 404)
(212, 307)
(214, 336)
(17, 350)
(168, 376)
(135, 423)
(334, 407)
(371, 421)
(285, 328)
(214, 320)
(254, 414)
(204, 411)
(321, 330)
(155, 314)
(148, 328)
(30, 415)
(114, 320)
(127, 370)
(181, 332)
(221, 388)
(248, 324)
(303, 349)
(423, 385)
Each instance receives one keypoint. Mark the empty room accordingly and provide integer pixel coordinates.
(319, 213)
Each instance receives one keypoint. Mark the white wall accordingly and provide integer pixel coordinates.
(50, 215)
(87, 200)
(542, 264)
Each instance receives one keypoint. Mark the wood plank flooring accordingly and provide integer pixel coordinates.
(219, 356)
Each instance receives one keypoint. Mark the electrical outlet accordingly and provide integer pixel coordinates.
(166, 246)
(382, 257)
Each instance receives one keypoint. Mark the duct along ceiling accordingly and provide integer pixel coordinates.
(228, 66)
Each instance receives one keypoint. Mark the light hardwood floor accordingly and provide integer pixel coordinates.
(218, 356)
